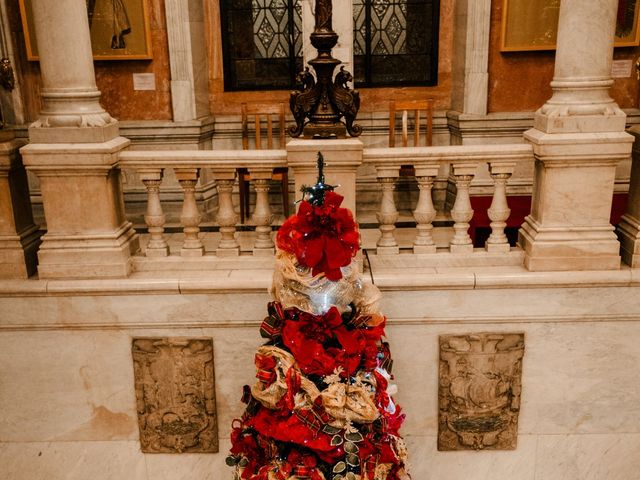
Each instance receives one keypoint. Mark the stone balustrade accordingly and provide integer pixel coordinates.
(462, 163)
(223, 165)
(442, 235)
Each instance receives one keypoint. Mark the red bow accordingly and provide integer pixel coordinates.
(323, 238)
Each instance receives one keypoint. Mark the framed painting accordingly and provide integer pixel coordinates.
(119, 29)
(533, 24)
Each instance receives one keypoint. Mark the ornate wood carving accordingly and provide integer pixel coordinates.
(175, 395)
(479, 391)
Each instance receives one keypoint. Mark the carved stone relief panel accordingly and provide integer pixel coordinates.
(175, 395)
(479, 391)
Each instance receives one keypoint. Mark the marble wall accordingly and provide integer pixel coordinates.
(519, 81)
(68, 400)
(115, 79)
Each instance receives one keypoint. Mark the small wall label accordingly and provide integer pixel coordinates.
(621, 68)
(144, 81)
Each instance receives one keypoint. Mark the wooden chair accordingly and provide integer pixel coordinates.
(257, 112)
(420, 109)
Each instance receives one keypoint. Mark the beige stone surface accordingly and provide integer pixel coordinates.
(87, 232)
(105, 460)
(486, 465)
(568, 228)
(341, 156)
(69, 353)
(588, 457)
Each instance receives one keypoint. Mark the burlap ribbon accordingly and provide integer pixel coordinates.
(270, 394)
(344, 403)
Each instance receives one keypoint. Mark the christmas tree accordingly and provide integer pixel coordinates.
(321, 407)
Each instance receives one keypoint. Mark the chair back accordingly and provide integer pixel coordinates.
(252, 121)
(412, 113)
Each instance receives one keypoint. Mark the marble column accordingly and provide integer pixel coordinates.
(69, 94)
(578, 139)
(188, 59)
(471, 62)
(73, 149)
(470, 70)
(19, 238)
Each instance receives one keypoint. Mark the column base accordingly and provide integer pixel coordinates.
(157, 252)
(264, 252)
(192, 252)
(88, 235)
(629, 235)
(457, 249)
(88, 256)
(497, 247)
(19, 254)
(228, 252)
(573, 248)
(98, 134)
(388, 250)
(424, 249)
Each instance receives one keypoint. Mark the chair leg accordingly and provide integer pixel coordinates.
(285, 193)
(247, 200)
(242, 187)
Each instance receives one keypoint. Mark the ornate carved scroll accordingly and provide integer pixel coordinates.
(175, 395)
(479, 391)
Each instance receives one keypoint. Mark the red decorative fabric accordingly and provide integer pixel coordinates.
(321, 343)
(289, 428)
(323, 238)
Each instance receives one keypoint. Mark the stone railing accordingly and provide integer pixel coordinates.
(462, 163)
(222, 164)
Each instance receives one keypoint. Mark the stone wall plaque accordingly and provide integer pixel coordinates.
(175, 395)
(479, 391)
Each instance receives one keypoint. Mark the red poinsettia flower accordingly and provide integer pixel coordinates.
(323, 238)
(321, 343)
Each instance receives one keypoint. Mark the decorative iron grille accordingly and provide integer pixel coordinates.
(262, 43)
(395, 42)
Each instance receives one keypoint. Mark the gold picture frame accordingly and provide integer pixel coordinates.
(119, 29)
(529, 25)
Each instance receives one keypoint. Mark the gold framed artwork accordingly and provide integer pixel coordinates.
(533, 24)
(119, 29)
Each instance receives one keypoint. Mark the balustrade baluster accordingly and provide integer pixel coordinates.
(388, 215)
(190, 217)
(226, 217)
(499, 210)
(262, 215)
(462, 212)
(154, 217)
(425, 213)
